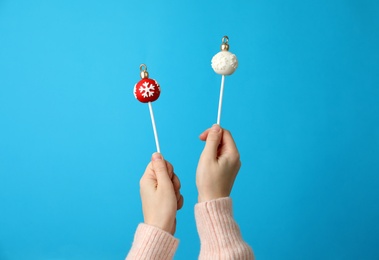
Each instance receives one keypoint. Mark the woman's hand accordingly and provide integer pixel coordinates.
(218, 165)
(160, 194)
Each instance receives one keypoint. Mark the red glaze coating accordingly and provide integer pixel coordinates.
(147, 90)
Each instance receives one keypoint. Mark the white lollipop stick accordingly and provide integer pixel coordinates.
(154, 127)
(220, 100)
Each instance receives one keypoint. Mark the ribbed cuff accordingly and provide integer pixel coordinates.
(214, 220)
(152, 243)
(219, 234)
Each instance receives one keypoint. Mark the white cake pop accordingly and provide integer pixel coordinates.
(224, 62)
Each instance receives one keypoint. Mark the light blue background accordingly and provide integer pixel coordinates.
(302, 106)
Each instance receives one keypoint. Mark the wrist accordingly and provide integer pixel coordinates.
(201, 199)
(161, 226)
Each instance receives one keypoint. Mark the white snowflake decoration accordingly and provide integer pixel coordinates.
(147, 90)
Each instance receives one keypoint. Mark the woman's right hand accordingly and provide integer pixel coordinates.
(218, 165)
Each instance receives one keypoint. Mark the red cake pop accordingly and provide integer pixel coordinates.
(146, 90)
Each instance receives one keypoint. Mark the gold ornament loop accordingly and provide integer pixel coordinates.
(224, 44)
(143, 71)
(143, 67)
(225, 39)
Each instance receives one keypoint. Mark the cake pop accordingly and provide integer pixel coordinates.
(146, 91)
(224, 63)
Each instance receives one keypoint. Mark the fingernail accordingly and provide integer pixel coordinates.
(216, 128)
(156, 157)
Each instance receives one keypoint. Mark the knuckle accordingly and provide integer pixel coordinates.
(236, 158)
(239, 164)
(141, 181)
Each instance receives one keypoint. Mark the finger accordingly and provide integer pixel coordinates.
(180, 202)
(229, 145)
(170, 169)
(177, 185)
(176, 182)
(148, 181)
(203, 135)
(212, 142)
(160, 169)
(148, 175)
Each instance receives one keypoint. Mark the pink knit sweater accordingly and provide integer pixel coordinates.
(220, 236)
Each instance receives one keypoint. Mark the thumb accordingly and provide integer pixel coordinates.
(212, 142)
(160, 169)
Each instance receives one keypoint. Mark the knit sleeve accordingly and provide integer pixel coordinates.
(219, 233)
(152, 243)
